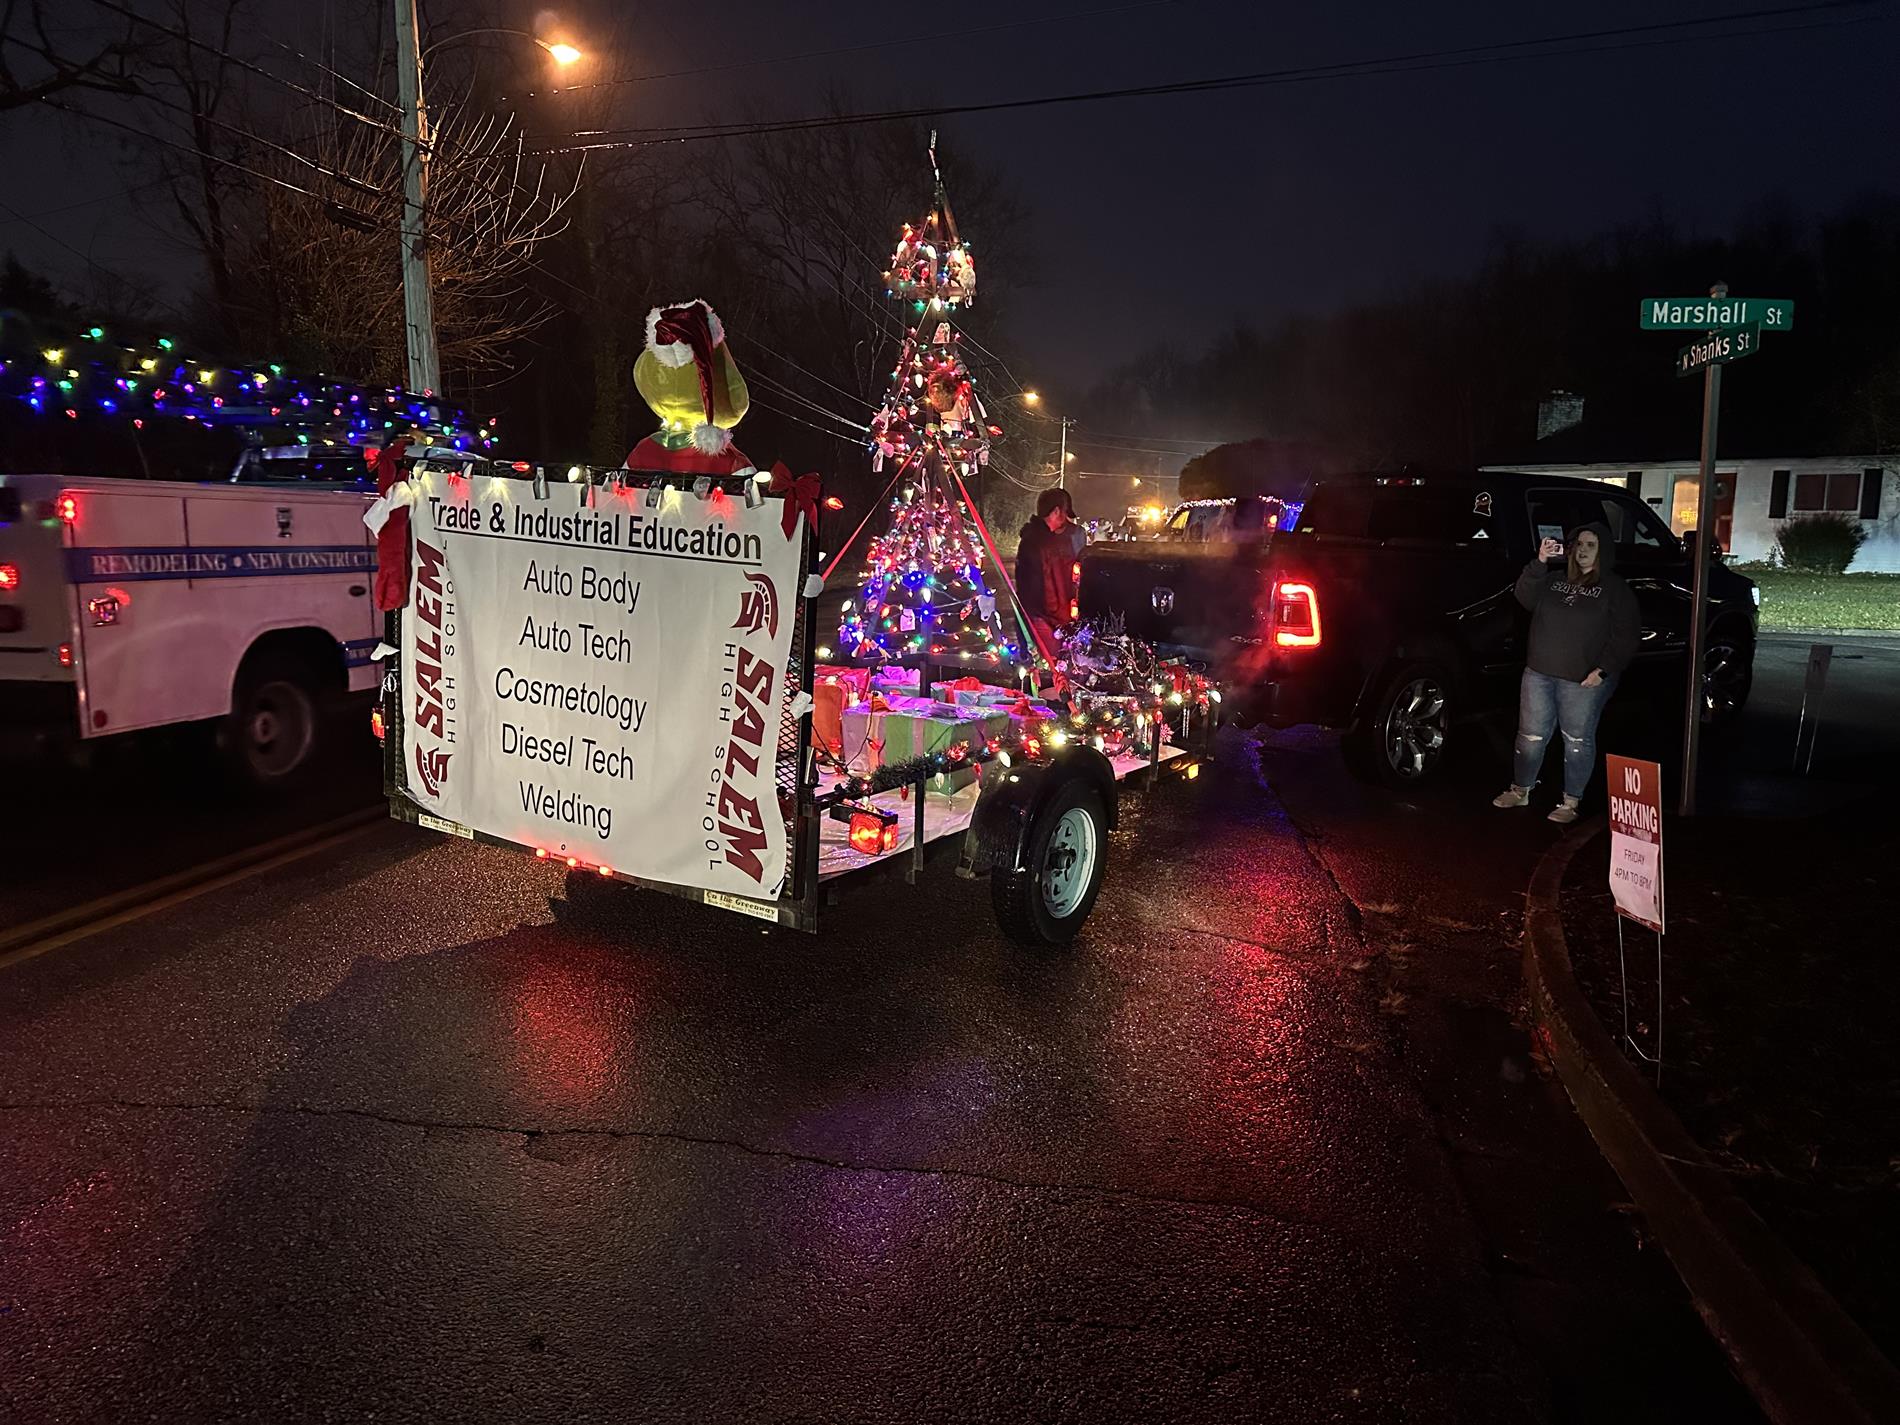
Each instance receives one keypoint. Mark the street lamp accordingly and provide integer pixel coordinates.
(418, 299)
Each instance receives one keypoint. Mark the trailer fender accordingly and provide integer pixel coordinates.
(1010, 804)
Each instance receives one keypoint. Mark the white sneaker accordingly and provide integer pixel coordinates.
(1512, 797)
(1564, 812)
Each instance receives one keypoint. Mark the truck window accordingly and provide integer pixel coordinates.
(1640, 537)
(1425, 514)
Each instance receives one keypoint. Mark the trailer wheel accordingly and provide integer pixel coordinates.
(270, 738)
(1046, 901)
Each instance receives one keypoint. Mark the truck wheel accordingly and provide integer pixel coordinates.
(1046, 902)
(270, 738)
(1401, 740)
(1728, 664)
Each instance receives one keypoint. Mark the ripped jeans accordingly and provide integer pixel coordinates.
(1544, 703)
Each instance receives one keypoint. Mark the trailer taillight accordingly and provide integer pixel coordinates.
(9, 578)
(65, 655)
(376, 723)
(66, 508)
(873, 833)
(1295, 615)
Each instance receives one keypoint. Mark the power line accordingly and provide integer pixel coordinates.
(855, 443)
(752, 340)
(338, 74)
(186, 37)
(347, 180)
(1420, 61)
(934, 38)
(90, 261)
(788, 393)
(209, 157)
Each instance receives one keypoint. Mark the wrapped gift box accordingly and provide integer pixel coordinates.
(908, 728)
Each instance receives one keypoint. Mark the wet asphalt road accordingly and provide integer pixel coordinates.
(411, 1133)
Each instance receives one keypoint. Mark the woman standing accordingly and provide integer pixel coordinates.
(1584, 630)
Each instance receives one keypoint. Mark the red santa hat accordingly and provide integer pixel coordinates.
(689, 335)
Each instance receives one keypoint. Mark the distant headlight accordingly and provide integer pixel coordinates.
(1754, 592)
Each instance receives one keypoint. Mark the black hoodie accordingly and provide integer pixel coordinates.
(1576, 628)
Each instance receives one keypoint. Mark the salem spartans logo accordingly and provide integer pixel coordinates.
(758, 606)
(432, 765)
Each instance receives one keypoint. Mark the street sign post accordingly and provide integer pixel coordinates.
(1732, 328)
(1713, 312)
(1731, 345)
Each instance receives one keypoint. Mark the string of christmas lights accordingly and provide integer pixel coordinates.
(89, 373)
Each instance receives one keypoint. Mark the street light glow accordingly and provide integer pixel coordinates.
(564, 55)
(1032, 398)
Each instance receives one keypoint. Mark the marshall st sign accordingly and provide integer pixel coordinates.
(1771, 314)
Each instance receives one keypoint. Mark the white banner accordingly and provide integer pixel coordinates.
(603, 683)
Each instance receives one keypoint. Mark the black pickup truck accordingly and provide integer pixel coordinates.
(1382, 605)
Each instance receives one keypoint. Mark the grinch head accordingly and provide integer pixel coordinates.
(687, 376)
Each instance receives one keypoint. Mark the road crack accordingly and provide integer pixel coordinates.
(695, 1140)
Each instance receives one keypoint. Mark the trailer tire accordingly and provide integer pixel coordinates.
(271, 738)
(1064, 858)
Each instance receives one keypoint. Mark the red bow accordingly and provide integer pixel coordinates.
(800, 495)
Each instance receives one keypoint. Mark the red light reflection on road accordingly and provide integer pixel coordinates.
(564, 1037)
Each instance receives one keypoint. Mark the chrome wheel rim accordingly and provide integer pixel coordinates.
(1068, 864)
(1415, 728)
(1724, 678)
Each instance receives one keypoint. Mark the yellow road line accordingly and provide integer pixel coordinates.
(124, 907)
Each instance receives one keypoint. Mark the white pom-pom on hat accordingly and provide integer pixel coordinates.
(679, 353)
(710, 439)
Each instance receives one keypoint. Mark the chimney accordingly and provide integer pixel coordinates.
(1560, 410)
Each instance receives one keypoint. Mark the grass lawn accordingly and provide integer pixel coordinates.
(1793, 602)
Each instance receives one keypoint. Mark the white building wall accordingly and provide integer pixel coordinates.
(1670, 489)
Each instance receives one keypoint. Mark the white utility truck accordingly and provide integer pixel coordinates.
(134, 604)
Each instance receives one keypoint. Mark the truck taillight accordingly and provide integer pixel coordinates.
(66, 507)
(9, 578)
(376, 723)
(1295, 615)
(65, 655)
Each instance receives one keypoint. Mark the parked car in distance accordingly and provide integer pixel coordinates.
(1382, 604)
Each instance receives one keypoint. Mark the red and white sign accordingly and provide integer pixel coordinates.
(602, 682)
(1636, 872)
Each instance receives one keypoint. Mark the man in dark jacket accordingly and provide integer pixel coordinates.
(1045, 567)
(1585, 628)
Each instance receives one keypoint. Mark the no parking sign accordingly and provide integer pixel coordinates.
(1636, 839)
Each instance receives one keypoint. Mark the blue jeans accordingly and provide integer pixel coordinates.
(1543, 703)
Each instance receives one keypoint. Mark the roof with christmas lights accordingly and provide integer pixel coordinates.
(90, 373)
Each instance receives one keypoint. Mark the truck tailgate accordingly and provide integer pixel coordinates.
(1187, 597)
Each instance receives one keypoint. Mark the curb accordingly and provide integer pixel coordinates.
(1800, 1355)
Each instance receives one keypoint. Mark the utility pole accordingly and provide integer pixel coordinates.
(1704, 552)
(418, 299)
(1062, 453)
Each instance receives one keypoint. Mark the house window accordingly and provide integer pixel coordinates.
(1815, 492)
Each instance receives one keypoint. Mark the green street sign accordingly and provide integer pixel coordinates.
(1717, 348)
(1775, 314)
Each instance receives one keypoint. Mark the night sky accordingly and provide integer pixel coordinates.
(1171, 218)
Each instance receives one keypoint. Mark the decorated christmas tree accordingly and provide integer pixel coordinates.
(923, 595)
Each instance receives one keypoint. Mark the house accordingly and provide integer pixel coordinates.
(1754, 497)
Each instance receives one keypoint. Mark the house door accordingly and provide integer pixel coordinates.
(1725, 508)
